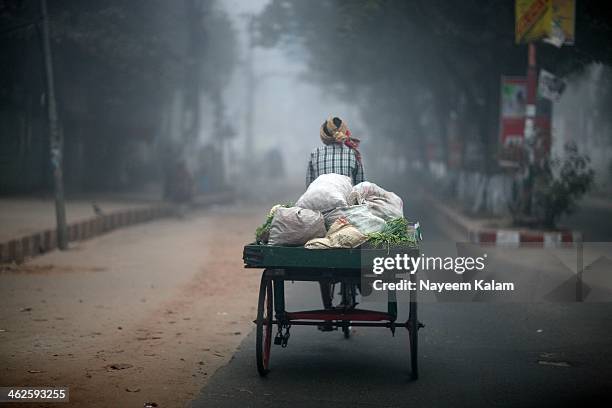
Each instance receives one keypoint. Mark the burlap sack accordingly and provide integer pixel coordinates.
(295, 226)
(340, 235)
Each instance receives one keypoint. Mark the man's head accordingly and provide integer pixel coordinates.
(335, 130)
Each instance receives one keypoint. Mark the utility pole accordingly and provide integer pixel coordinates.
(56, 142)
(195, 10)
(530, 134)
(250, 85)
(532, 86)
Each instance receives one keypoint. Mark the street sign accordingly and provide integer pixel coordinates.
(512, 112)
(550, 86)
(533, 20)
(562, 30)
(550, 20)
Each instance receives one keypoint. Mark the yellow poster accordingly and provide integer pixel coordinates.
(563, 15)
(533, 20)
(545, 19)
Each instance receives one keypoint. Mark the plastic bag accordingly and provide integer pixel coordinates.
(358, 215)
(340, 235)
(327, 192)
(382, 203)
(295, 226)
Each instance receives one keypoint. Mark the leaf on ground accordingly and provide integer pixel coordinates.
(148, 338)
(118, 366)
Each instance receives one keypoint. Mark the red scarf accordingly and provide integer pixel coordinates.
(353, 144)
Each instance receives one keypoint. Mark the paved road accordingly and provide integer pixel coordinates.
(149, 299)
(594, 219)
(471, 355)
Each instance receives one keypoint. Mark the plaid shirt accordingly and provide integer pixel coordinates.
(334, 158)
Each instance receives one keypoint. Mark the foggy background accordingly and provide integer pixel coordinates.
(187, 120)
(237, 90)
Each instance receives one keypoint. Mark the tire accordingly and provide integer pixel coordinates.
(348, 298)
(347, 331)
(413, 330)
(263, 341)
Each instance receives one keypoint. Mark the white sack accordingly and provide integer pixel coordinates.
(358, 215)
(327, 192)
(382, 203)
(295, 226)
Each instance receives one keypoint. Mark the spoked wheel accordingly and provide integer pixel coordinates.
(264, 326)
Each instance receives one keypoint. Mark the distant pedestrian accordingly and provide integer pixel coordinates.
(179, 184)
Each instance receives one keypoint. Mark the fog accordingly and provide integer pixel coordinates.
(232, 94)
(583, 115)
(288, 110)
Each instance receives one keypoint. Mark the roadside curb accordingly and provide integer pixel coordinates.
(526, 238)
(19, 249)
(478, 234)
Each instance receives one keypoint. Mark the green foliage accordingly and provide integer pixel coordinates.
(397, 232)
(123, 70)
(559, 185)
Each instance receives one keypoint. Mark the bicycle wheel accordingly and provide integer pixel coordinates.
(413, 330)
(263, 341)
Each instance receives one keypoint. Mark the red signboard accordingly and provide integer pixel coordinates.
(513, 101)
(512, 110)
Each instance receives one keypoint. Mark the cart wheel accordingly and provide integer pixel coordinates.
(413, 330)
(264, 326)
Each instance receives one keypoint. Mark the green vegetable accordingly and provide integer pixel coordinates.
(397, 232)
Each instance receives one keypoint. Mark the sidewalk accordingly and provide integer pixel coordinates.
(23, 216)
(498, 230)
(28, 224)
